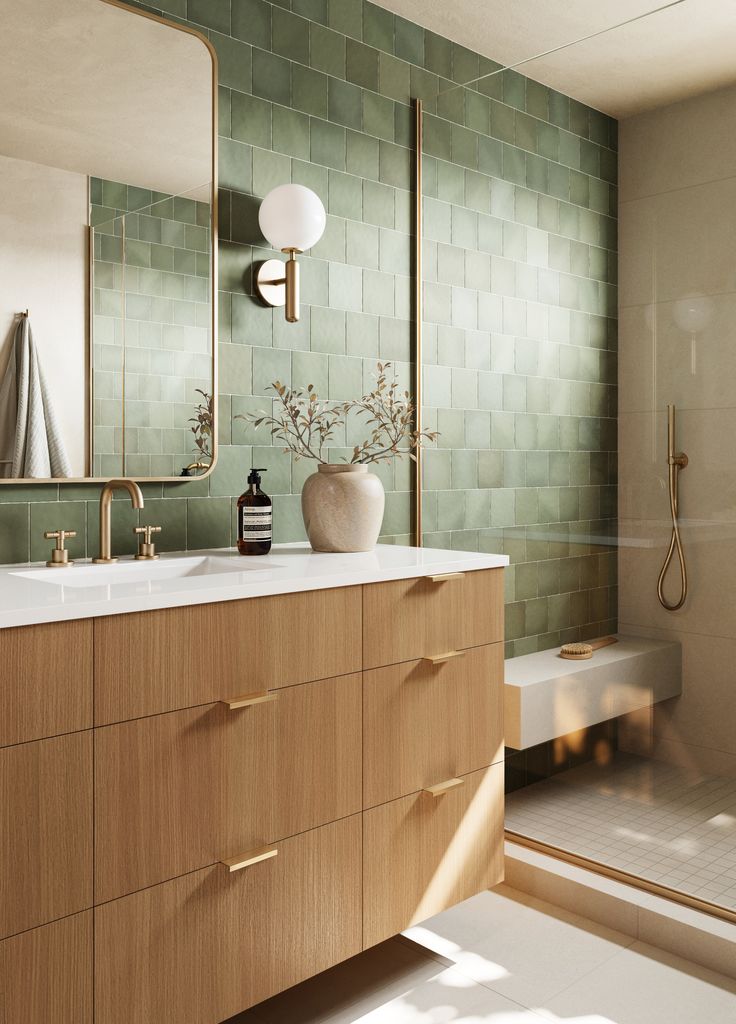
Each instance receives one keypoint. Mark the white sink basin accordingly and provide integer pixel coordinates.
(130, 572)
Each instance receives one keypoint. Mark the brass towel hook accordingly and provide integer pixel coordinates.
(675, 462)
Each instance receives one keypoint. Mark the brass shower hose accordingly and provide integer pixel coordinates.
(675, 462)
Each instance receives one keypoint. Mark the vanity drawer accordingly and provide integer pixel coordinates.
(46, 974)
(179, 791)
(426, 722)
(45, 680)
(150, 662)
(424, 853)
(408, 619)
(45, 831)
(207, 945)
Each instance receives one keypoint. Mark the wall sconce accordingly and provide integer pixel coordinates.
(293, 219)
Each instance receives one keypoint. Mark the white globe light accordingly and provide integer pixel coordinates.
(292, 217)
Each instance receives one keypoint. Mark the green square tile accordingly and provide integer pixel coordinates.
(548, 140)
(271, 77)
(328, 144)
(291, 132)
(378, 116)
(344, 103)
(315, 10)
(327, 330)
(378, 293)
(269, 170)
(437, 137)
(362, 155)
(251, 120)
(331, 245)
(345, 287)
(345, 196)
(465, 64)
(409, 41)
(208, 523)
(559, 109)
(378, 27)
(234, 62)
(290, 36)
(438, 54)
(362, 334)
(362, 65)
(378, 204)
(393, 78)
(270, 365)
(503, 122)
(345, 377)
(212, 13)
(251, 21)
(579, 119)
(362, 245)
(537, 99)
(310, 368)
(478, 112)
(309, 91)
(346, 16)
(464, 146)
(327, 50)
(525, 131)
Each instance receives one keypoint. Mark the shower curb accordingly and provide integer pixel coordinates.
(702, 938)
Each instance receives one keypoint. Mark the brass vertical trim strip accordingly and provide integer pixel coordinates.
(123, 295)
(89, 468)
(418, 317)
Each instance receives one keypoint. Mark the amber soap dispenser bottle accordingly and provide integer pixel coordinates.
(255, 518)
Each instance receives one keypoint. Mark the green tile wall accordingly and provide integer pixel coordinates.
(151, 327)
(520, 299)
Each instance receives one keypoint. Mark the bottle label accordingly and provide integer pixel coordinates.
(256, 523)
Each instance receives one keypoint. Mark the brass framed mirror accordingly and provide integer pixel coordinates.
(108, 245)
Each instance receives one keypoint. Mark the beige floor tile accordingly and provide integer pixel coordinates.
(352, 989)
(519, 946)
(643, 985)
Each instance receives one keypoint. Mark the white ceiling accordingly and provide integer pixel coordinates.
(661, 58)
(88, 87)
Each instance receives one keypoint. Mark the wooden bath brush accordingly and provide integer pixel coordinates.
(580, 652)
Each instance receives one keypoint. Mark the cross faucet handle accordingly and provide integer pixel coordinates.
(59, 555)
(146, 547)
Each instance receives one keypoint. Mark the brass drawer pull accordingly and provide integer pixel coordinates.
(248, 700)
(438, 659)
(443, 787)
(245, 860)
(444, 576)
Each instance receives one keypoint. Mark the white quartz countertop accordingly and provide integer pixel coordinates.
(32, 593)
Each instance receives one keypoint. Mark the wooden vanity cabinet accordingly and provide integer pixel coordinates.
(270, 786)
(157, 661)
(180, 791)
(45, 680)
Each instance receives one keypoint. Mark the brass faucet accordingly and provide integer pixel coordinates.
(105, 556)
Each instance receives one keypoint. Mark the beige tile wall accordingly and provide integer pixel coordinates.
(678, 345)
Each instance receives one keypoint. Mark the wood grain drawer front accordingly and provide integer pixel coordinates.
(45, 681)
(408, 619)
(179, 791)
(45, 831)
(46, 974)
(422, 854)
(151, 662)
(424, 723)
(203, 947)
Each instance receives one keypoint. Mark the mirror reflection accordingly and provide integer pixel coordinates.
(106, 244)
